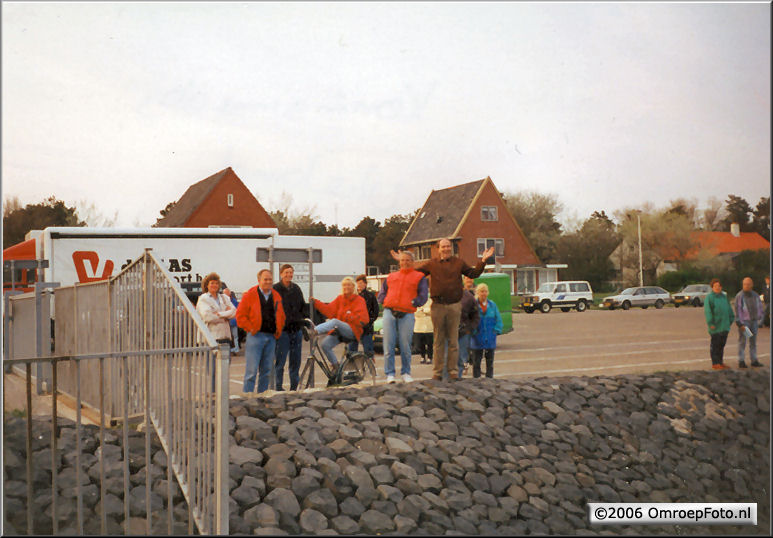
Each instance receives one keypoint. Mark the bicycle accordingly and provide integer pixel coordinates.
(351, 369)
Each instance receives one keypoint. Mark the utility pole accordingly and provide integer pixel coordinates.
(641, 273)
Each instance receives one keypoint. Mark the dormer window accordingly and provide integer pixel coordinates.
(488, 213)
(230, 200)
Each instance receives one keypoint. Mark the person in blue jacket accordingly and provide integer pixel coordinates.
(484, 339)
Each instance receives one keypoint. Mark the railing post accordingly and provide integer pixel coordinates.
(221, 440)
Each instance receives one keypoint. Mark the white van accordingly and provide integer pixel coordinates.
(565, 295)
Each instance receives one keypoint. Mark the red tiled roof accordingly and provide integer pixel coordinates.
(726, 243)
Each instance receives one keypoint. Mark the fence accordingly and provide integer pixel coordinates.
(134, 346)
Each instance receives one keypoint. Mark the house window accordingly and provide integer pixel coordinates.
(425, 252)
(230, 200)
(498, 244)
(488, 213)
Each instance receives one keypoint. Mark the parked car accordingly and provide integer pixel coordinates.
(693, 294)
(565, 295)
(639, 296)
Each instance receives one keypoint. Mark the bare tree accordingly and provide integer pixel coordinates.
(710, 218)
(93, 217)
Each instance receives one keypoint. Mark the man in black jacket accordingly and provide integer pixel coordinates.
(292, 338)
(372, 303)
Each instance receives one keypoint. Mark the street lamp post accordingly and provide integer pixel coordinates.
(641, 273)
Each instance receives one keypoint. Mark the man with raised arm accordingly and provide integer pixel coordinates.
(445, 289)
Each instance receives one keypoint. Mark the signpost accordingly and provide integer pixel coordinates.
(290, 255)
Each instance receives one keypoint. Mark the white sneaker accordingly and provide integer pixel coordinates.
(390, 379)
(407, 378)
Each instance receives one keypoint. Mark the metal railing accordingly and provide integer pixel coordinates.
(142, 350)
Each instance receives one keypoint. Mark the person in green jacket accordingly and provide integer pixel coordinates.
(719, 318)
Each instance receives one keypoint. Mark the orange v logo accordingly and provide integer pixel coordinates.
(88, 272)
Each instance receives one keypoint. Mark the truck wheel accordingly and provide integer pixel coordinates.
(626, 305)
(528, 309)
(565, 309)
(581, 306)
(676, 305)
(696, 302)
(545, 307)
(659, 304)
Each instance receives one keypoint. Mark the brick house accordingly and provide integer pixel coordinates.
(219, 200)
(474, 217)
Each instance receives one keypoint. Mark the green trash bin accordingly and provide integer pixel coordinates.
(499, 293)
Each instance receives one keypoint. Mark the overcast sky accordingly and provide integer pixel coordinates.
(362, 109)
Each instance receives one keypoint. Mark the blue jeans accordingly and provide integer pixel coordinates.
(332, 340)
(258, 356)
(742, 339)
(464, 352)
(393, 329)
(367, 345)
(290, 341)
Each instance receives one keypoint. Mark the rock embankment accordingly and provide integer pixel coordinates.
(498, 456)
(472, 457)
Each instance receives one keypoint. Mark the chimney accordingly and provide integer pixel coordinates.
(735, 229)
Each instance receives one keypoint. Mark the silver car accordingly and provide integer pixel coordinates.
(643, 296)
(693, 294)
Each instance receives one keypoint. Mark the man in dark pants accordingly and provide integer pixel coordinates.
(372, 303)
(291, 339)
(445, 289)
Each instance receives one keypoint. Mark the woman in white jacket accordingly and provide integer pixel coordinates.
(215, 308)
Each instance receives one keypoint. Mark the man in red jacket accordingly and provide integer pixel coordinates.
(260, 313)
(347, 315)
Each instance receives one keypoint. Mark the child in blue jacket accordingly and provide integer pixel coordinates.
(484, 339)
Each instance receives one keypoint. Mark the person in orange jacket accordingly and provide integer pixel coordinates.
(347, 313)
(260, 313)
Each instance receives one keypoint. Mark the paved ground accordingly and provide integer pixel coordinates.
(595, 342)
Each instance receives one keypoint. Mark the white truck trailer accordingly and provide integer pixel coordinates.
(88, 254)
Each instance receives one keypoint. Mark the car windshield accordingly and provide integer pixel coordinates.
(693, 288)
(547, 287)
(628, 291)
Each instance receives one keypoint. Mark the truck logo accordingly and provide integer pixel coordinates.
(87, 272)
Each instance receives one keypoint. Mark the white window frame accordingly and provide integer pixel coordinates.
(497, 242)
(229, 199)
(489, 213)
(425, 252)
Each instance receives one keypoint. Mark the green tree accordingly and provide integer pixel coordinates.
(586, 251)
(761, 218)
(369, 229)
(17, 220)
(737, 210)
(388, 237)
(665, 235)
(536, 215)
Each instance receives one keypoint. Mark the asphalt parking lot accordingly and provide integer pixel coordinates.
(595, 342)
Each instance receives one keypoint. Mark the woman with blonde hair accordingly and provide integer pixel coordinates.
(347, 316)
(484, 339)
